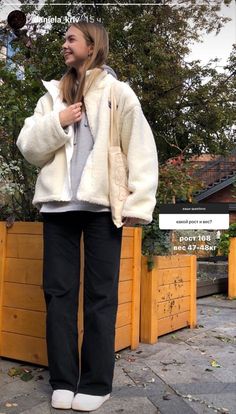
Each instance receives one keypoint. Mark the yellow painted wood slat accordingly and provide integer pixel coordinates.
(3, 235)
(125, 291)
(171, 324)
(30, 270)
(24, 271)
(193, 292)
(172, 307)
(122, 337)
(24, 348)
(33, 323)
(25, 246)
(148, 306)
(124, 315)
(127, 232)
(24, 322)
(31, 349)
(26, 227)
(126, 269)
(167, 262)
(22, 296)
(232, 269)
(137, 243)
(127, 247)
(173, 291)
(176, 275)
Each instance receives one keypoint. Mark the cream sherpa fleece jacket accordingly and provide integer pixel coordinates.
(44, 143)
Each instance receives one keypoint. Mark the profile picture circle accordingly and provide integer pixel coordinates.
(16, 19)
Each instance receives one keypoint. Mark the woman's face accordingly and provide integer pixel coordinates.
(75, 48)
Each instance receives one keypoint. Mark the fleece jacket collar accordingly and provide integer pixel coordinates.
(53, 86)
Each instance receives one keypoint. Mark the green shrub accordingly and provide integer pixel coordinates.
(223, 246)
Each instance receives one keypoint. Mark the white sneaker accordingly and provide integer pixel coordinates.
(86, 402)
(62, 399)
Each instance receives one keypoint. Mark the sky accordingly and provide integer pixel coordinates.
(218, 46)
(212, 46)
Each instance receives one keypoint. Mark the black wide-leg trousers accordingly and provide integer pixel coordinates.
(61, 279)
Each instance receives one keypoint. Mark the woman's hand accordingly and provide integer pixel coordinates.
(129, 221)
(71, 114)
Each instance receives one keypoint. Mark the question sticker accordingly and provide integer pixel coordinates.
(194, 216)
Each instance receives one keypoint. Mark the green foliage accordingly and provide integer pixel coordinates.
(17, 177)
(177, 182)
(223, 246)
(156, 242)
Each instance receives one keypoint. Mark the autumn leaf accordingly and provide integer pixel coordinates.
(215, 364)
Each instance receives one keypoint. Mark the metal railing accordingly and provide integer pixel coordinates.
(217, 170)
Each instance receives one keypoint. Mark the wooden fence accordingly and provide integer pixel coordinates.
(22, 306)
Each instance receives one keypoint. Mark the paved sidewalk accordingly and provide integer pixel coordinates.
(187, 372)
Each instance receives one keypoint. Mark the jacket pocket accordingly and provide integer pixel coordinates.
(51, 179)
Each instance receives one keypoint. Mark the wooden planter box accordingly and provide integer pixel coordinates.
(22, 306)
(232, 269)
(168, 296)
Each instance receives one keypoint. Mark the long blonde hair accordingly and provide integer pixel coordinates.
(95, 34)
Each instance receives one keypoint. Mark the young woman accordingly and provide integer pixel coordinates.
(68, 138)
